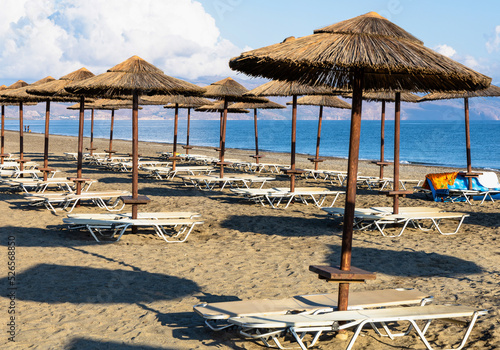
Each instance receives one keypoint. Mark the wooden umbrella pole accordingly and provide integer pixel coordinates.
(220, 127)
(79, 162)
(135, 152)
(187, 132)
(111, 131)
(92, 132)
(2, 141)
(294, 137)
(46, 144)
(256, 135)
(382, 140)
(21, 137)
(397, 134)
(320, 119)
(176, 124)
(467, 139)
(352, 171)
(223, 139)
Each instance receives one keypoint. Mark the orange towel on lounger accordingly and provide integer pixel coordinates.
(441, 180)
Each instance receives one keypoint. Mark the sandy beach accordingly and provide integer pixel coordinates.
(138, 293)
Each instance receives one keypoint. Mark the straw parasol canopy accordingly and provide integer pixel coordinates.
(20, 94)
(218, 106)
(367, 52)
(289, 88)
(257, 105)
(386, 96)
(193, 101)
(134, 77)
(321, 101)
(390, 58)
(54, 90)
(491, 91)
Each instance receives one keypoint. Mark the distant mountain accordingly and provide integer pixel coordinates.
(480, 109)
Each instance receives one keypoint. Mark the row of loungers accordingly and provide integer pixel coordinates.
(381, 218)
(270, 320)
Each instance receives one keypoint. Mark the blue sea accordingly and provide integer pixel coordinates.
(422, 142)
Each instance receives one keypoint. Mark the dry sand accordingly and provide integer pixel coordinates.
(74, 293)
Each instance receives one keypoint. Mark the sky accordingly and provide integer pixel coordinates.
(194, 40)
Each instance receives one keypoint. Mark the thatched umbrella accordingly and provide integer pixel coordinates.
(175, 100)
(321, 101)
(54, 91)
(133, 77)
(193, 102)
(227, 90)
(491, 91)
(367, 52)
(257, 105)
(17, 85)
(294, 89)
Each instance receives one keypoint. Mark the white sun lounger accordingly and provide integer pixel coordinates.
(209, 182)
(380, 218)
(39, 185)
(265, 327)
(316, 194)
(275, 196)
(217, 314)
(109, 200)
(164, 224)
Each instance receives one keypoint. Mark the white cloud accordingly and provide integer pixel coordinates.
(55, 37)
(493, 44)
(445, 50)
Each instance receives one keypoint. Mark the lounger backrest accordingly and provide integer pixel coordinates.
(489, 179)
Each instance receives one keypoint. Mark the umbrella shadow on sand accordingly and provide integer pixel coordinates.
(49, 283)
(407, 262)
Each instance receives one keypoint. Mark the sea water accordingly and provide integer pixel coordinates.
(422, 142)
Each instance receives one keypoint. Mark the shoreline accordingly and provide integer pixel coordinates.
(443, 168)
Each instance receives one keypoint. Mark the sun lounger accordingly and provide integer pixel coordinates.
(210, 182)
(190, 170)
(109, 200)
(454, 187)
(39, 185)
(275, 196)
(171, 227)
(303, 194)
(217, 314)
(381, 218)
(265, 327)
